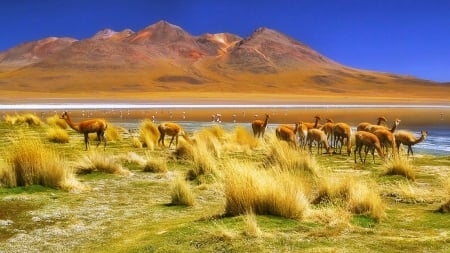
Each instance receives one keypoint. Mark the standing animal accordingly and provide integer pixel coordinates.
(88, 126)
(408, 139)
(259, 126)
(320, 137)
(286, 133)
(328, 129)
(387, 139)
(302, 131)
(171, 129)
(363, 138)
(342, 131)
(373, 128)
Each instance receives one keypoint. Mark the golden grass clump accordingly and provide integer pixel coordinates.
(251, 225)
(56, 121)
(365, 199)
(136, 143)
(248, 189)
(31, 119)
(156, 166)
(112, 133)
(28, 118)
(281, 154)
(358, 197)
(95, 161)
(184, 150)
(57, 135)
(32, 163)
(148, 134)
(243, 137)
(203, 161)
(181, 193)
(400, 166)
(211, 138)
(445, 208)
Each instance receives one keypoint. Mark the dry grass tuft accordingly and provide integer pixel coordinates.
(445, 208)
(248, 189)
(358, 197)
(365, 199)
(400, 166)
(112, 133)
(95, 161)
(184, 150)
(56, 121)
(32, 163)
(251, 226)
(156, 166)
(211, 138)
(181, 193)
(148, 134)
(203, 161)
(136, 143)
(281, 154)
(57, 135)
(243, 137)
(28, 118)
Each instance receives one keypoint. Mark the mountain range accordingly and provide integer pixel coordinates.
(164, 61)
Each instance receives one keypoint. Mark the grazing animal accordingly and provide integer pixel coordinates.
(408, 139)
(286, 133)
(320, 137)
(363, 125)
(88, 126)
(363, 138)
(342, 131)
(387, 139)
(171, 129)
(259, 126)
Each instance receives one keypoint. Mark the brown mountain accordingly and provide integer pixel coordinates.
(164, 60)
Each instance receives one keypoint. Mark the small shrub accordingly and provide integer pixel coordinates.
(11, 120)
(98, 162)
(400, 166)
(156, 166)
(57, 135)
(181, 193)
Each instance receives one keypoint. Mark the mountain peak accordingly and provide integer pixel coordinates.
(160, 32)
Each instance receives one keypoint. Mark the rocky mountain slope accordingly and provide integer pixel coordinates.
(163, 58)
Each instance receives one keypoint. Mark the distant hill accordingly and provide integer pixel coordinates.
(164, 59)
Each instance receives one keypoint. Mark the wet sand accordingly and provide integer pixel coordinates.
(411, 117)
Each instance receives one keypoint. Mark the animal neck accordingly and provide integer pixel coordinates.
(315, 123)
(71, 124)
(422, 138)
(265, 121)
(394, 127)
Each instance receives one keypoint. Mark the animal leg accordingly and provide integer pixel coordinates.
(171, 140)
(86, 140)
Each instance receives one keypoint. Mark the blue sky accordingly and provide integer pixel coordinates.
(409, 37)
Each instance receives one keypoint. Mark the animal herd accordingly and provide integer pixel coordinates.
(328, 136)
(333, 135)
